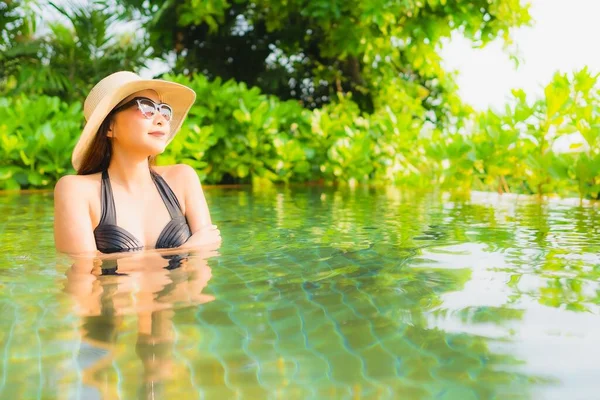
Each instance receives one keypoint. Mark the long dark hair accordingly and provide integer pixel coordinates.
(99, 153)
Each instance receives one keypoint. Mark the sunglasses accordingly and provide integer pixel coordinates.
(147, 107)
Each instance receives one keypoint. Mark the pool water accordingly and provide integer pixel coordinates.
(315, 293)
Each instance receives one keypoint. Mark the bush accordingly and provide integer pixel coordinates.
(37, 136)
(236, 134)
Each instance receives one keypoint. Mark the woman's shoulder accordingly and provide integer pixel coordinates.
(177, 173)
(80, 184)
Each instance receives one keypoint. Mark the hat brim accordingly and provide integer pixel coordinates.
(181, 98)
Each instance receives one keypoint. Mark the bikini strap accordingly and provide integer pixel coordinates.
(167, 195)
(107, 202)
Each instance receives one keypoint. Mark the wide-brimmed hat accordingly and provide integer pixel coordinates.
(111, 90)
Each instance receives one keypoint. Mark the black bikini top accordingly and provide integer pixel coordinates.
(111, 238)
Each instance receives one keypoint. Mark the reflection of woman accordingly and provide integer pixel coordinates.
(154, 347)
(146, 285)
(118, 201)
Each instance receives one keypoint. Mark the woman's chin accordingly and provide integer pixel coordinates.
(155, 149)
(156, 153)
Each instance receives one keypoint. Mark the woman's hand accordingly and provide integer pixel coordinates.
(208, 235)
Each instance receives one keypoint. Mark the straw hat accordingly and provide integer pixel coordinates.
(111, 90)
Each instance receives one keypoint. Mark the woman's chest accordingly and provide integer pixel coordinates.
(142, 216)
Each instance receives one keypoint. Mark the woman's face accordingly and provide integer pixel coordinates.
(134, 132)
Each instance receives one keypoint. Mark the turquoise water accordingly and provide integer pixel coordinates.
(314, 293)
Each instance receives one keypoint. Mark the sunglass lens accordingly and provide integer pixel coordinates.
(166, 112)
(147, 108)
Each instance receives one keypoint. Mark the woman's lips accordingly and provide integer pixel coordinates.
(158, 134)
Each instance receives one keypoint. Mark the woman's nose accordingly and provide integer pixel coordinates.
(160, 119)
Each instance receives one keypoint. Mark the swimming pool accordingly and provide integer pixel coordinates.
(315, 293)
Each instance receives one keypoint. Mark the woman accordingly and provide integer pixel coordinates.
(118, 201)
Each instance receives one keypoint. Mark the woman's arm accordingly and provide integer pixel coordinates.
(196, 210)
(73, 233)
(206, 236)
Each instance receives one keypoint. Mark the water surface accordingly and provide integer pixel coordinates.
(315, 293)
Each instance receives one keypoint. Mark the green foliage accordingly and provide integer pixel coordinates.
(313, 50)
(59, 58)
(516, 147)
(236, 134)
(233, 133)
(18, 22)
(34, 154)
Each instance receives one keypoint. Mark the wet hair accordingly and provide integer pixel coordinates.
(99, 152)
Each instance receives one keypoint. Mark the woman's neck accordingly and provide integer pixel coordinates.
(130, 173)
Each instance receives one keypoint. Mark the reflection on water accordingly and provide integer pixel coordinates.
(315, 293)
(134, 295)
(147, 287)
